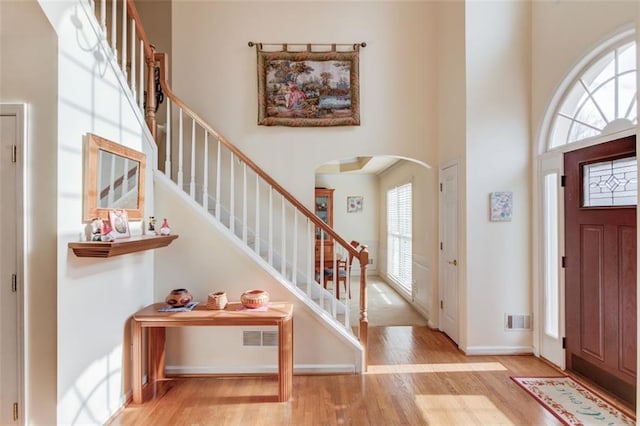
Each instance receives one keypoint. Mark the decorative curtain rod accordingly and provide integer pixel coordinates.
(284, 46)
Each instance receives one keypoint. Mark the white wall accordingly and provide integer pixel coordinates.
(452, 125)
(28, 74)
(562, 34)
(451, 91)
(95, 297)
(360, 226)
(498, 140)
(214, 72)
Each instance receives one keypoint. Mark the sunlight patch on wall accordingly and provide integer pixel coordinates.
(435, 368)
(460, 410)
(95, 394)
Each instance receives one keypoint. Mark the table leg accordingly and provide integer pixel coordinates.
(136, 368)
(285, 360)
(157, 354)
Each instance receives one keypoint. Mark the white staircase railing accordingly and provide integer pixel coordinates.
(256, 211)
(226, 183)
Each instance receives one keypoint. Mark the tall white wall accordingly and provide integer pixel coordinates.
(452, 125)
(498, 159)
(563, 33)
(28, 74)
(95, 297)
(451, 88)
(214, 72)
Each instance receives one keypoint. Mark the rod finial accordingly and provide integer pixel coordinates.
(251, 44)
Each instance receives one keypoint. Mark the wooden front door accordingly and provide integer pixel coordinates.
(600, 249)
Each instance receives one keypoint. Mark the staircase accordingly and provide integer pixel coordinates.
(216, 178)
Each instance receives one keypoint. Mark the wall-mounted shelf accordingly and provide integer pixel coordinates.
(120, 246)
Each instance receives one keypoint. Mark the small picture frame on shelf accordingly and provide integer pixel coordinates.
(119, 223)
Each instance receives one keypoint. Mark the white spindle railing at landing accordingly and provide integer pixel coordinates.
(228, 185)
(124, 32)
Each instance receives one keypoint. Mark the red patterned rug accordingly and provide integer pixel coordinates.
(572, 403)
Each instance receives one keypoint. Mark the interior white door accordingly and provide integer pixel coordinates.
(449, 262)
(551, 293)
(9, 340)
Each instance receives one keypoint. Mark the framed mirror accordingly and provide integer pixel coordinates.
(114, 177)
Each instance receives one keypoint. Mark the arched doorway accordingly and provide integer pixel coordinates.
(404, 260)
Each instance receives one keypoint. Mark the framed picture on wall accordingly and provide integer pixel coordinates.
(119, 223)
(501, 206)
(354, 204)
(308, 88)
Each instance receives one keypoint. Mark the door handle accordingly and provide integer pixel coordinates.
(453, 262)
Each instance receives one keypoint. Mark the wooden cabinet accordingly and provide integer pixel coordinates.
(324, 210)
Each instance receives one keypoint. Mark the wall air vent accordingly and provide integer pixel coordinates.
(515, 322)
(257, 338)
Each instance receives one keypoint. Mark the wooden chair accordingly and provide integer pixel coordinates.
(344, 272)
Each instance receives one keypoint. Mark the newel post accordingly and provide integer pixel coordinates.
(364, 321)
(150, 101)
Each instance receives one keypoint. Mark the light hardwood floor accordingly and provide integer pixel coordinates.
(416, 376)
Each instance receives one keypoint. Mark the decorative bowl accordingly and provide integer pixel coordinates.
(217, 300)
(254, 298)
(179, 297)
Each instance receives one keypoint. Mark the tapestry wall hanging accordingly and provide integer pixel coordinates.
(308, 88)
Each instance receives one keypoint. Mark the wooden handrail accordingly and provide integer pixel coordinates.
(133, 13)
(161, 58)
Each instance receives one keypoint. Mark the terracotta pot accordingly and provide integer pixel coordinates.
(179, 297)
(254, 299)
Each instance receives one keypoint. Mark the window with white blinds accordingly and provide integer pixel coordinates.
(399, 211)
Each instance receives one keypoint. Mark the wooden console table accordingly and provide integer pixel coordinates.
(155, 323)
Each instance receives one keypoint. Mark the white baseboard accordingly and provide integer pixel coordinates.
(260, 369)
(498, 350)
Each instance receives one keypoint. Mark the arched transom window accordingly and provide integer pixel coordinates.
(602, 100)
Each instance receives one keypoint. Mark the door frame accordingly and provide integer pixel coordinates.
(441, 258)
(537, 243)
(20, 111)
(550, 163)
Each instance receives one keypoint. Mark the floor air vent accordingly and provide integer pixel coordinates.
(517, 322)
(257, 338)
